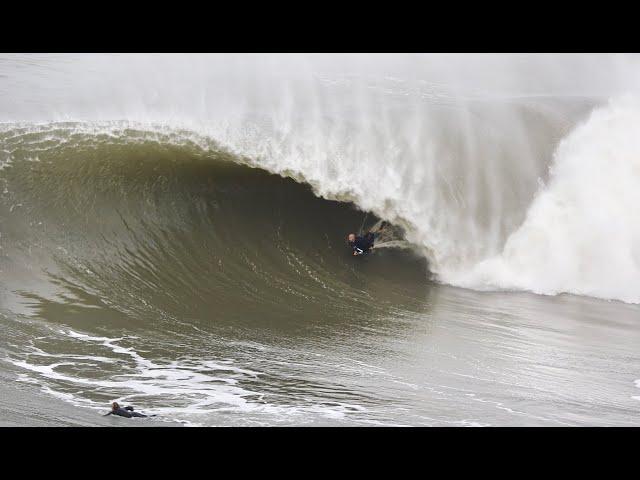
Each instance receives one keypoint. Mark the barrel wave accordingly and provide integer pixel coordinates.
(142, 219)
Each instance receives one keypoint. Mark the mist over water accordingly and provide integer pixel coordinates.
(148, 253)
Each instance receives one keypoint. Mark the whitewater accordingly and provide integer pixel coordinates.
(582, 232)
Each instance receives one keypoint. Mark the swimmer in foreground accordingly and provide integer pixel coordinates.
(128, 412)
(363, 244)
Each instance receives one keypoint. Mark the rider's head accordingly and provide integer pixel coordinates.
(115, 406)
(351, 238)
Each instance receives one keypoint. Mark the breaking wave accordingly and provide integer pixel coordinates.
(464, 164)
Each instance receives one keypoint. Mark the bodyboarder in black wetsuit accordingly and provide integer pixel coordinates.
(128, 412)
(362, 244)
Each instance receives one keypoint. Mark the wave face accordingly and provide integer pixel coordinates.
(451, 147)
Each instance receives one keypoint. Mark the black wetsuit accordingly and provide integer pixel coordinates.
(362, 244)
(126, 412)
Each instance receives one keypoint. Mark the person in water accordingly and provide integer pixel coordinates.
(363, 244)
(128, 412)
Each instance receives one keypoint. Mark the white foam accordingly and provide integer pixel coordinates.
(582, 232)
(191, 387)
